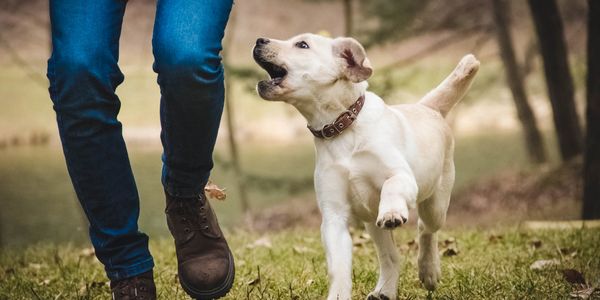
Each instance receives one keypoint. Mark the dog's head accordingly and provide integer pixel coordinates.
(308, 64)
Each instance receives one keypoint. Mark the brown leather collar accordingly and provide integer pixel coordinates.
(342, 122)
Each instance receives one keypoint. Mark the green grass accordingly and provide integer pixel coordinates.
(294, 267)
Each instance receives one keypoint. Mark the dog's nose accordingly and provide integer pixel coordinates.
(262, 41)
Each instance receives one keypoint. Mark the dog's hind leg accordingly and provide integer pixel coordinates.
(432, 216)
(387, 254)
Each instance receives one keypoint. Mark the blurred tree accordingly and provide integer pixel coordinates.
(388, 20)
(514, 77)
(591, 172)
(348, 17)
(549, 28)
(229, 111)
(393, 20)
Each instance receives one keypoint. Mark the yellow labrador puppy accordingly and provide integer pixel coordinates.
(374, 161)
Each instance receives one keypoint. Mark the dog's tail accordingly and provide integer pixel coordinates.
(454, 87)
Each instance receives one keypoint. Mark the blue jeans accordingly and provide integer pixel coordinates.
(84, 74)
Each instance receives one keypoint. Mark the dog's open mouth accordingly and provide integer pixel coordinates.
(277, 73)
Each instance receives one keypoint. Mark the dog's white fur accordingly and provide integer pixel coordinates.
(390, 159)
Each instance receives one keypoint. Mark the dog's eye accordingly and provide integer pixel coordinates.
(302, 45)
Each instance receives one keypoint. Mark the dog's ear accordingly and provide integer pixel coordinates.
(357, 66)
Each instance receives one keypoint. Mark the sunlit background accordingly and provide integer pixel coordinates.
(269, 184)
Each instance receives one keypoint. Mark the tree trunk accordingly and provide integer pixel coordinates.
(549, 30)
(533, 138)
(348, 20)
(591, 172)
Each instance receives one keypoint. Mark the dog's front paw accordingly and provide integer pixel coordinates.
(391, 220)
(380, 296)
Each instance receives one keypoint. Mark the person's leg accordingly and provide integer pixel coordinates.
(186, 45)
(83, 76)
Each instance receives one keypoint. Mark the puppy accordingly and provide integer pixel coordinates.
(374, 161)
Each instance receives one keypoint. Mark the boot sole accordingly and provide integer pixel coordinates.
(215, 293)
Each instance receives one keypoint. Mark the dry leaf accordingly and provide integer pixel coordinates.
(310, 282)
(495, 238)
(45, 282)
(449, 241)
(544, 263)
(412, 243)
(573, 276)
(451, 251)
(568, 252)
(302, 249)
(253, 281)
(87, 252)
(584, 293)
(35, 266)
(361, 240)
(536, 243)
(97, 284)
(264, 241)
(214, 191)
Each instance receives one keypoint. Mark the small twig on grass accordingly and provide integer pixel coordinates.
(34, 292)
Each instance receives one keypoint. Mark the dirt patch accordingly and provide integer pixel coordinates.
(297, 212)
(514, 196)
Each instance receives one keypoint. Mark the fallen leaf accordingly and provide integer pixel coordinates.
(573, 276)
(451, 251)
(308, 239)
(310, 282)
(584, 293)
(568, 251)
(97, 284)
(449, 241)
(35, 266)
(495, 238)
(87, 252)
(544, 263)
(253, 281)
(264, 241)
(302, 249)
(361, 239)
(412, 243)
(45, 282)
(536, 243)
(214, 191)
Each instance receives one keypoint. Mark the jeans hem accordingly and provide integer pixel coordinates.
(184, 192)
(131, 271)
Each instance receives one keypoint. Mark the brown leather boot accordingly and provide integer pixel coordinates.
(205, 263)
(140, 287)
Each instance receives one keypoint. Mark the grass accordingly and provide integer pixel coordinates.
(489, 265)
